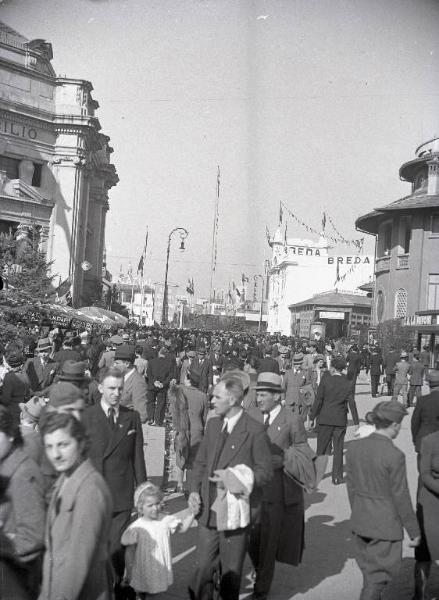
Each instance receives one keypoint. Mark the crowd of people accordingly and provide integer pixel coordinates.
(80, 520)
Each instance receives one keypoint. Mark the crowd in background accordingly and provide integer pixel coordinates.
(78, 518)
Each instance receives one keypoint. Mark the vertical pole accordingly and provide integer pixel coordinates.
(262, 304)
(165, 291)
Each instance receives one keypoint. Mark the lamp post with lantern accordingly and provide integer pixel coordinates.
(183, 235)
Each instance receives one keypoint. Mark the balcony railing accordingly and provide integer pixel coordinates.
(382, 264)
(403, 261)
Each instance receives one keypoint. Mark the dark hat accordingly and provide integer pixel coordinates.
(391, 410)
(125, 352)
(201, 350)
(433, 378)
(72, 371)
(298, 358)
(271, 382)
(116, 340)
(44, 344)
(338, 363)
(63, 393)
(194, 376)
(15, 359)
(32, 408)
(403, 354)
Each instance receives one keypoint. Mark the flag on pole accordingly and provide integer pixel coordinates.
(190, 288)
(143, 257)
(244, 279)
(323, 221)
(281, 213)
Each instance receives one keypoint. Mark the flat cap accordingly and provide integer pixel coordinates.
(63, 393)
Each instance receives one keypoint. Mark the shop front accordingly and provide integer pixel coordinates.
(425, 327)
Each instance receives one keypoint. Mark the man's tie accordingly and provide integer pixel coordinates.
(224, 434)
(266, 421)
(112, 417)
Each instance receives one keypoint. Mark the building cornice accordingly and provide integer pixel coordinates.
(6, 64)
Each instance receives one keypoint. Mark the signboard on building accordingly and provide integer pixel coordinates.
(325, 314)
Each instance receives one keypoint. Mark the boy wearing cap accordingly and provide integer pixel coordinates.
(380, 500)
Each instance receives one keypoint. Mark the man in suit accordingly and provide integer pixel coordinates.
(354, 366)
(425, 418)
(41, 369)
(416, 374)
(380, 500)
(280, 533)
(161, 371)
(294, 380)
(203, 365)
(376, 369)
(66, 353)
(116, 450)
(268, 364)
(232, 438)
(334, 395)
(390, 360)
(134, 393)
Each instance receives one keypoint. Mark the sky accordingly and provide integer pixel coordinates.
(315, 103)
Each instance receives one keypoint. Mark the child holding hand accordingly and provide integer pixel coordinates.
(148, 545)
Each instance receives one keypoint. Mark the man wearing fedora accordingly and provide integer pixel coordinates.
(334, 395)
(134, 393)
(41, 369)
(203, 365)
(116, 450)
(231, 439)
(280, 533)
(295, 379)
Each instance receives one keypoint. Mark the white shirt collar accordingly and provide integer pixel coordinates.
(105, 408)
(273, 413)
(230, 422)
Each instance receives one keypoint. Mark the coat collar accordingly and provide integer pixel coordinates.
(65, 490)
(122, 426)
(234, 442)
(11, 463)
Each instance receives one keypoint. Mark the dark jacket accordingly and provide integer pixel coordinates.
(378, 491)
(390, 361)
(117, 455)
(15, 390)
(246, 445)
(354, 364)
(40, 377)
(160, 368)
(205, 370)
(376, 363)
(334, 395)
(416, 372)
(425, 418)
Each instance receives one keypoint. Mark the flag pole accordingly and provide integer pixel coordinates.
(214, 235)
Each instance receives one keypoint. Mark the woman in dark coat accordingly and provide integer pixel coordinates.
(22, 513)
(15, 385)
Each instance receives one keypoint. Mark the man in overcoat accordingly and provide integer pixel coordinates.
(41, 369)
(202, 364)
(135, 391)
(280, 533)
(330, 407)
(116, 450)
(231, 439)
(380, 500)
(161, 371)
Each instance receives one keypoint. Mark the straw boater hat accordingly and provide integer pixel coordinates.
(271, 382)
(298, 358)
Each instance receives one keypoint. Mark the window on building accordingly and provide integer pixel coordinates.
(10, 165)
(421, 180)
(405, 233)
(401, 303)
(385, 240)
(36, 178)
(433, 292)
(435, 224)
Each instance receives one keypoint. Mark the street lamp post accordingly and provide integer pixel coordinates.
(183, 235)
(263, 278)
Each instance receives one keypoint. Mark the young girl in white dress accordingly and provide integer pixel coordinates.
(148, 546)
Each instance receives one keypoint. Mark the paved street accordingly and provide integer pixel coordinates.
(328, 570)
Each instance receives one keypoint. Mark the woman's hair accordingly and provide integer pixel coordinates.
(146, 490)
(54, 421)
(375, 419)
(10, 426)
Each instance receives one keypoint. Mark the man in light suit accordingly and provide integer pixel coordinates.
(232, 438)
(135, 391)
(116, 450)
(280, 533)
(41, 369)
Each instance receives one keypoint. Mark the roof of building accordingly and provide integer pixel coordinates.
(12, 34)
(416, 201)
(335, 298)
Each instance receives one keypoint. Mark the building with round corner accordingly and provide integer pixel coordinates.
(407, 250)
(55, 162)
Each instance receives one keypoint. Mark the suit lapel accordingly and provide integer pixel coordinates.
(234, 442)
(122, 426)
(275, 428)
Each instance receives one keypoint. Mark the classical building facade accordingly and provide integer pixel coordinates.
(55, 166)
(300, 268)
(407, 249)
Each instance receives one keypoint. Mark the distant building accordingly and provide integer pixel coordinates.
(300, 268)
(138, 301)
(407, 249)
(337, 314)
(55, 166)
